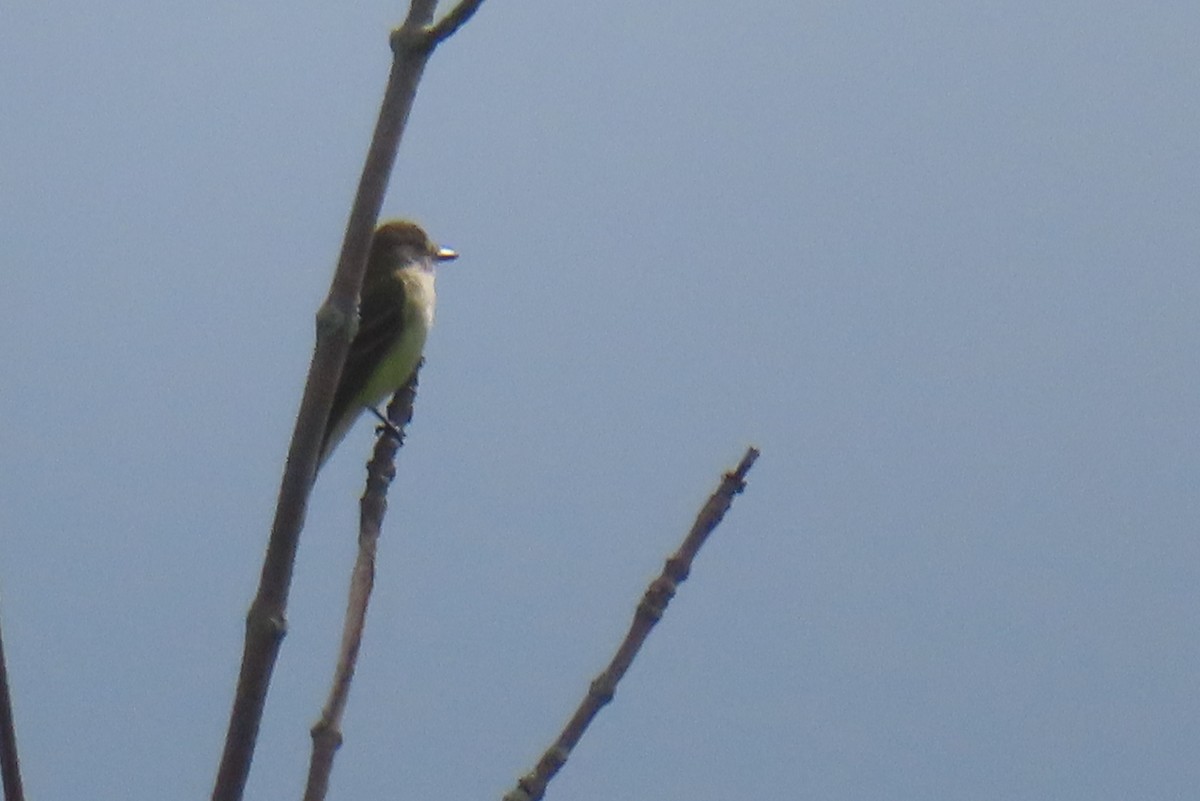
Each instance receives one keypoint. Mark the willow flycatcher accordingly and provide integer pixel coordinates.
(394, 316)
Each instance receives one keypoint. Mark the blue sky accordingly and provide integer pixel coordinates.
(938, 260)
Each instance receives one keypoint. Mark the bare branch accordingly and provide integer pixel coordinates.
(532, 786)
(266, 621)
(10, 767)
(327, 732)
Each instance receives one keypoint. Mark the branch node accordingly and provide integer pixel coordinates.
(518, 793)
(550, 763)
(602, 689)
(657, 596)
(411, 39)
(326, 733)
(677, 568)
(260, 621)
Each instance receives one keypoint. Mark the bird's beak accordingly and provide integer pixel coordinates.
(445, 254)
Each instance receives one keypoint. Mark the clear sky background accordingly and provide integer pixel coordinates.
(938, 260)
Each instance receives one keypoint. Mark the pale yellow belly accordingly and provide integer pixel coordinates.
(402, 358)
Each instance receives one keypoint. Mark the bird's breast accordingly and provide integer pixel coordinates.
(420, 298)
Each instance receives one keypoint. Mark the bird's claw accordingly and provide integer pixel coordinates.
(386, 425)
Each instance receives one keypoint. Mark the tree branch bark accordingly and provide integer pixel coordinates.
(327, 732)
(532, 786)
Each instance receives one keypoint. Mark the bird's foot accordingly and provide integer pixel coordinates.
(387, 426)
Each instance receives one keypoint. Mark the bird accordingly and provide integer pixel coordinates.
(395, 313)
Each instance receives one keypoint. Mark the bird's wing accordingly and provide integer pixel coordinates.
(381, 319)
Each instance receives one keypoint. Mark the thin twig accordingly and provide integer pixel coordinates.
(266, 621)
(10, 766)
(532, 786)
(327, 732)
(455, 18)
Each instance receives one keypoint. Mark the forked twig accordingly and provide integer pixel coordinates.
(455, 18)
(327, 732)
(532, 786)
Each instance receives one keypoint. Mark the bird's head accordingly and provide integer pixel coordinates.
(405, 242)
